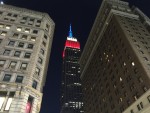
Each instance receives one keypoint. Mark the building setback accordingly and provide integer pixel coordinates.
(115, 63)
(25, 45)
(71, 92)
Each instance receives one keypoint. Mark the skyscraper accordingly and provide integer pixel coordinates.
(115, 63)
(71, 92)
(25, 45)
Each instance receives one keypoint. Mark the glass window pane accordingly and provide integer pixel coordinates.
(1, 102)
(19, 79)
(7, 77)
(8, 103)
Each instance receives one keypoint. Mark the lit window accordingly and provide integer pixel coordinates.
(19, 79)
(8, 103)
(3, 33)
(13, 64)
(120, 79)
(7, 77)
(11, 43)
(1, 25)
(2, 62)
(1, 101)
(133, 64)
(33, 38)
(24, 66)
(34, 84)
(17, 53)
(7, 26)
(27, 55)
(2, 98)
(7, 52)
(19, 28)
(27, 30)
(24, 37)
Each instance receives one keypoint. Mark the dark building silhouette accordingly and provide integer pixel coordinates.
(71, 97)
(115, 62)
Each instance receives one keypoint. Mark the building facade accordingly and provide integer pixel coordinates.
(25, 45)
(115, 63)
(71, 91)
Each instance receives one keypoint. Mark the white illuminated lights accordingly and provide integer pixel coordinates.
(72, 39)
(133, 64)
(2, 2)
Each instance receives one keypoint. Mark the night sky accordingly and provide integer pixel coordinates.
(81, 14)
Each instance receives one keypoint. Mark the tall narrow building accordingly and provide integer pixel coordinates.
(71, 97)
(25, 45)
(115, 63)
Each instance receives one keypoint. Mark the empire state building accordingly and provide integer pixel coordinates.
(71, 92)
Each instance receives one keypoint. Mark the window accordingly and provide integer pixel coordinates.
(13, 64)
(21, 45)
(19, 79)
(42, 51)
(15, 35)
(1, 25)
(27, 30)
(34, 84)
(19, 28)
(45, 37)
(40, 60)
(7, 77)
(30, 46)
(24, 66)
(7, 26)
(7, 52)
(24, 37)
(11, 43)
(33, 38)
(37, 71)
(3, 33)
(44, 44)
(17, 53)
(9, 101)
(2, 62)
(35, 31)
(27, 55)
(2, 98)
(1, 41)
(148, 98)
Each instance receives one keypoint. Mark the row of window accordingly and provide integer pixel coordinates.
(19, 79)
(140, 106)
(8, 100)
(7, 52)
(13, 64)
(25, 20)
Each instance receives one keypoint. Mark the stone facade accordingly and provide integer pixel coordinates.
(25, 45)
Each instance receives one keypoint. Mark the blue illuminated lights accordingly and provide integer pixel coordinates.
(70, 32)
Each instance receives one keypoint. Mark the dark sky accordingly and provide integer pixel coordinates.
(81, 14)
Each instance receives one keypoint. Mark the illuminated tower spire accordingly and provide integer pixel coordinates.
(70, 32)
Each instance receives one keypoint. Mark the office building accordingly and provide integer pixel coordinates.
(25, 45)
(115, 63)
(71, 91)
